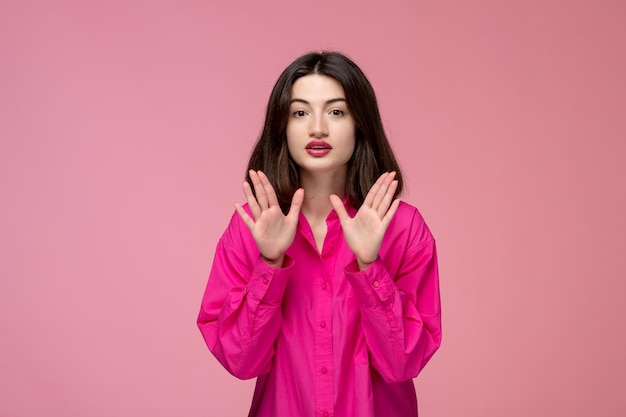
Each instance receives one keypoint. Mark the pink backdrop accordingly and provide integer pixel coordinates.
(125, 128)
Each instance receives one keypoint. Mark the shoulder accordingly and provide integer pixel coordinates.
(236, 232)
(406, 210)
(408, 220)
(408, 213)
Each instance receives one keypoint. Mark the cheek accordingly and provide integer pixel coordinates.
(289, 134)
(351, 139)
(291, 144)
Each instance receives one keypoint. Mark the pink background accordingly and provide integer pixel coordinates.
(125, 128)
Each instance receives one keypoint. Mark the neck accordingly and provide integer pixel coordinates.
(317, 189)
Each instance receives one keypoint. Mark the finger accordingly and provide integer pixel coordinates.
(296, 204)
(382, 190)
(272, 200)
(259, 190)
(369, 198)
(387, 199)
(244, 216)
(252, 203)
(340, 209)
(390, 213)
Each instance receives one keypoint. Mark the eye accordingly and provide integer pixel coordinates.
(299, 113)
(337, 112)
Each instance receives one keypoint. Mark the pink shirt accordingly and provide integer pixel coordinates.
(323, 338)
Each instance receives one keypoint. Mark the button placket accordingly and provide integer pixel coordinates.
(323, 317)
(323, 348)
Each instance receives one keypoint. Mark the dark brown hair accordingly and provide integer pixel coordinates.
(372, 152)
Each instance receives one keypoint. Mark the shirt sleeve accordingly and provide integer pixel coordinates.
(240, 314)
(401, 315)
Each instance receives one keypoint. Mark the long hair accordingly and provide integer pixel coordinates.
(372, 152)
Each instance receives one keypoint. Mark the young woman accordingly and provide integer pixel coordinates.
(324, 285)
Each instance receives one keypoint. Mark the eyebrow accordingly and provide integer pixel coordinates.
(331, 101)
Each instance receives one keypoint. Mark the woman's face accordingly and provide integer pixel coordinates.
(321, 132)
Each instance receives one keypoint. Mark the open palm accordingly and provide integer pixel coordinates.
(273, 232)
(365, 231)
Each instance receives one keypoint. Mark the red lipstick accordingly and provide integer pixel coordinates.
(318, 148)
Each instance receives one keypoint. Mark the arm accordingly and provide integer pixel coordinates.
(240, 313)
(241, 309)
(400, 313)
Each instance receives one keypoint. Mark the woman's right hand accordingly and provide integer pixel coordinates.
(272, 231)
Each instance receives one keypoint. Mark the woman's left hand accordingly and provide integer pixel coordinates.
(365, 231)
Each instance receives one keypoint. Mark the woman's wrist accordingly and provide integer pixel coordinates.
(364, 265)
(275, 262)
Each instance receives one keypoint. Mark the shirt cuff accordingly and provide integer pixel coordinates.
(268, 283)
(371, 285)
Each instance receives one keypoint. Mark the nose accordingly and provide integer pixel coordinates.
(318, 126)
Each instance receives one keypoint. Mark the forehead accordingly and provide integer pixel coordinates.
(316, 87)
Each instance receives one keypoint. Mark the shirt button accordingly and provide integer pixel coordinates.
(324, 370)
(325, 414)
(375, 284)
(324, 286)
(266, 281)
(323, 324)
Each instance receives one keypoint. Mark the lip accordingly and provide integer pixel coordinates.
(318, 148)
(318, 144)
